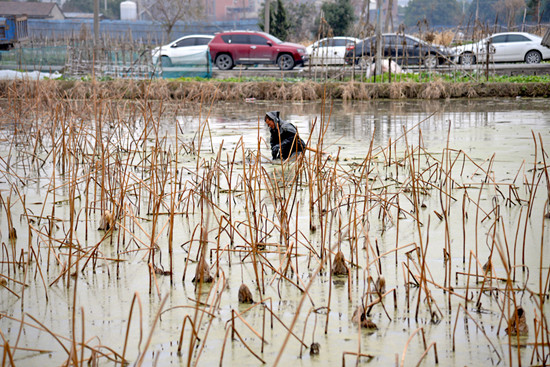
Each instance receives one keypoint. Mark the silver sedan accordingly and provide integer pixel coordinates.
(504, 47)
(330, 50)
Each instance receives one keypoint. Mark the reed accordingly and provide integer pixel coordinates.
(130, 190)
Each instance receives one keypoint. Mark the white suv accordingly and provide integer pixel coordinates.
(185, 50)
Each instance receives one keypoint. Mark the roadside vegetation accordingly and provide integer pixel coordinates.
(458, 77)
(250, 89)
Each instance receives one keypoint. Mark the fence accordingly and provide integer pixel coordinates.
(109, 60)
(124, 50)
(34, 58)
(141, 31)
(129, 56)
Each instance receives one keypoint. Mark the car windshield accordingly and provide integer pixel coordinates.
(273, 38)
(365, 41)
(415, 39)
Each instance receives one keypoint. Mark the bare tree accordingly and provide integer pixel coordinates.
(388, 24)
(510, 8)
(168, 12)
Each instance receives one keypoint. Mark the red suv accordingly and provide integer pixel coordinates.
(228, 49)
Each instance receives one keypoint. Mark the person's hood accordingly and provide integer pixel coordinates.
(274, 115)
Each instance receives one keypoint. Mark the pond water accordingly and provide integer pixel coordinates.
(422, 193)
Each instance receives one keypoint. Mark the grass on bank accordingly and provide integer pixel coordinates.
(457, 77)
(384, 78)
(423, 86)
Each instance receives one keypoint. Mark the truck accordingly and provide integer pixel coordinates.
(13, 29)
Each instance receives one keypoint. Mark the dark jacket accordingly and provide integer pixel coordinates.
(284, 138)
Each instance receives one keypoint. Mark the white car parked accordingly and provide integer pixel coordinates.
(329, 51)
(188, 50)
(504, 47)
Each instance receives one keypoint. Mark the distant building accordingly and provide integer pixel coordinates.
(76, 15)
(59, 2)
(231, 10)
(32, 10)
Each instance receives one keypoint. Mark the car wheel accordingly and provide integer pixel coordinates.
(467, 59)
(224, 62)
(533, 57)
(165, 61)
(285, 62)
(431, 61)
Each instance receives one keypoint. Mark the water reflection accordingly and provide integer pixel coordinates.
(481, 128)
(352, 125)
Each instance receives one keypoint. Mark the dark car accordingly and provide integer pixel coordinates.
(403, 49)
(228, 49)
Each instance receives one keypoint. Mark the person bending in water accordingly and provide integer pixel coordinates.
(285, 140)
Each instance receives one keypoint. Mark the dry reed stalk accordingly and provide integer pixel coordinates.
(543, 290)
(298, 308)
(135, 299)
(445, 207)
(510, 300)
(73, 356)
(193, 329)
(8, 353)
(216, 291)
(426, 347)
(140, 359)
(142, 179)
(434, 345)
(545, 168)
(313, 332)
(231, 322)
(251, 190)
(202, 254)
(274, 316)
(423, 283)
(246, 345)
(358, 355)
(478, 327)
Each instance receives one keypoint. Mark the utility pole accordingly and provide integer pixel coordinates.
(96, 23)
(266, 16)
(96, 35)
(378, 59)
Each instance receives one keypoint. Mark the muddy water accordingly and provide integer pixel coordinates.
(494, 136)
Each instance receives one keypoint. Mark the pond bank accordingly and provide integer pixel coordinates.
(265, 90)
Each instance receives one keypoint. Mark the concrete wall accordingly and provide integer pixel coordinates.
(141, 30)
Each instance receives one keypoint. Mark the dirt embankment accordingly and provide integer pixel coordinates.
(284, 91)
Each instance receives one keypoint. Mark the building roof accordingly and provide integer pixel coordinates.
(33, 10)
(79, 15)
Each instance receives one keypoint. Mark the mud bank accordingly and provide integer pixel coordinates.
(283, 91)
